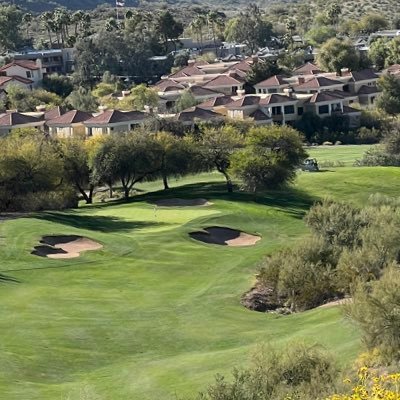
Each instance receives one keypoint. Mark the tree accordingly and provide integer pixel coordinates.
(128, 158)
(197, 26)
(217, 147)
(389, 100)
(393, 56)
(334, 12)
(77, 171)
(10, 23)
(262, 70)
(27, 20)
(176, 156)
(378, 53)
(168, 28)
(318, 35)
(215, 21)
(185, 100)
(141, 96)
(375, 310)
(59, 84)
(373, 22)
(29, 171)
(270, 157)
(81, 99)
(336, 54)
(249, 28)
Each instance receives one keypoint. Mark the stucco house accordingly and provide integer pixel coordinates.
(24, 69)
(69, 124)
(113, 121)
(15, 120)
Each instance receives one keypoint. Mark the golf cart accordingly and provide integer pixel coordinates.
(310, 164)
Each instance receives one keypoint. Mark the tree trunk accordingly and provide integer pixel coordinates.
(126, 192)
(229, 184)
(110, 189)
(165, 182)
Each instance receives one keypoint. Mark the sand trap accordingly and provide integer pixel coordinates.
(64, 246)
(181, 202)
(225, 237)
(339, 302)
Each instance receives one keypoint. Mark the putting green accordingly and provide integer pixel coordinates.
(155, 314)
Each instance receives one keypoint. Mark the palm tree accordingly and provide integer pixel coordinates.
(47, 21)
(77, 18)
(196, 26)
(27, 20)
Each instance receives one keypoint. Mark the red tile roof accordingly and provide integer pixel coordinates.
(318, 82)
(31, 65)
(216, 101)
(224, 80)
(166, 85)
(190, 114)
(364, 75)
(71, 117)
(203, 91)
(259, 115)
(321, 97)
(54, 113)
(276, 80)
(111, 117)
(242, 66)
(187, 71)
(276, 99)
(244, 102)
(5, 79)
(16, 118)
(307, 68)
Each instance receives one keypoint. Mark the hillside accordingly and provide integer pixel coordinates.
(43, 5)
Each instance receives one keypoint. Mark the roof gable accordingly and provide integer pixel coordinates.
(276, 80)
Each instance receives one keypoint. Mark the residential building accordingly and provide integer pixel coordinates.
(114, 121)
(15, 120)
(24, 69)
(69, 124)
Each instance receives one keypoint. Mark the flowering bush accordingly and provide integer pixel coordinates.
(372, 387)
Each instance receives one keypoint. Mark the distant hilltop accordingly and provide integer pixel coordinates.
(44, 5)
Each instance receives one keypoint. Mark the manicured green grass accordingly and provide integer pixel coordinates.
(346, 154)
(155, 314)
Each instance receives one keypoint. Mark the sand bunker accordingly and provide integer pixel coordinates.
(225, 237)
(64, 246)
(181, 202)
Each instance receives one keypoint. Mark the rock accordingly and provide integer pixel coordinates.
(260, 299)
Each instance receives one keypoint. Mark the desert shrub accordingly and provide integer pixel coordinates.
(368, 135)
(298, 371)
(376, 311)
(337, 223)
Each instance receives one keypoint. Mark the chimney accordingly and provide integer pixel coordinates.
(126, 93)
(148, 109)
(41, 108)
(241, 92)
(102, 108)
(288, 92)
(191, 62)
(254, 58)
(301, 80)
(344, 71)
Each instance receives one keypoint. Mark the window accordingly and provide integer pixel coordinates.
(45, 60)
(372, 100)
(234, 89)
(276, 111)
(323, 109)
(265, 91)
(289, 109)
(273, 90)
(300, 110)
(28, 74)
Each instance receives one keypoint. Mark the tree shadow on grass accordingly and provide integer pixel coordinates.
(8, 279)
(97, 223)
(288, 199)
